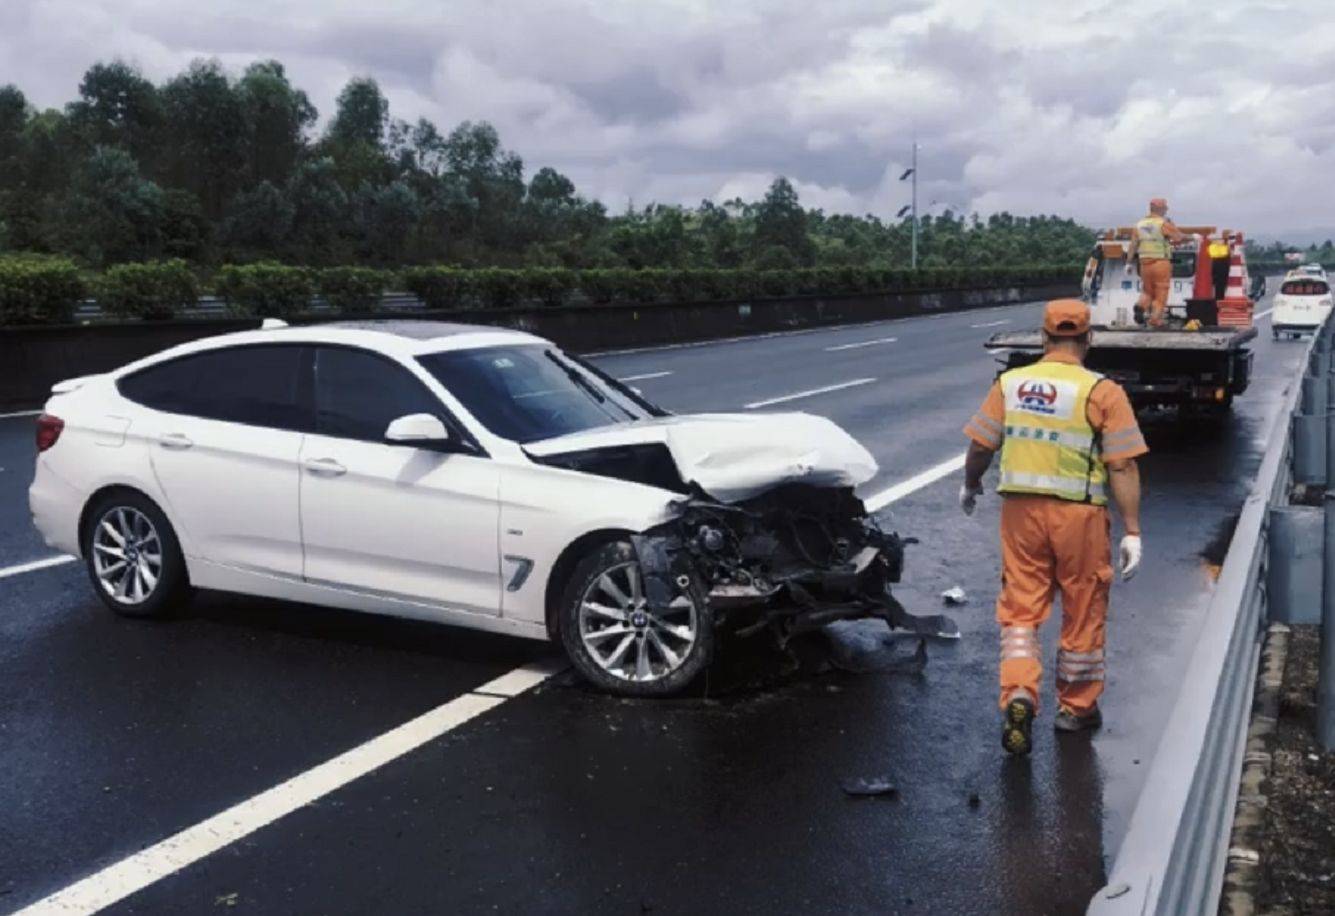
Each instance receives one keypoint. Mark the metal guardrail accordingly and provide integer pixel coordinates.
(214, 307)
(1173, 856)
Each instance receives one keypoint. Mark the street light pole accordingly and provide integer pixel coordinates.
(913, 262)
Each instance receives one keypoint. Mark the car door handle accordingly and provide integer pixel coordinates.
(175, 441)
(325, 467)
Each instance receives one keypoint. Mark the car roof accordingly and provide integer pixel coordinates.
(400, 337)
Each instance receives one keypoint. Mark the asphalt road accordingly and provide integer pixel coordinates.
(115, 734)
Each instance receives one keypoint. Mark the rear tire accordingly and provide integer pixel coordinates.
(132, 556)
(616, 643)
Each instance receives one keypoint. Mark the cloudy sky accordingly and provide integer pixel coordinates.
(1085, 109)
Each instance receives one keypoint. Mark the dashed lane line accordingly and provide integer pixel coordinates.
(136, 872)
(878, 501)
(20, 413)
(35, 565)
(991, 324)
(644, 376)
(861, 343)
(811, 392)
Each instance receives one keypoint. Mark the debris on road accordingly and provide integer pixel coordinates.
(954, 595)
(864, 647)
(869, 786)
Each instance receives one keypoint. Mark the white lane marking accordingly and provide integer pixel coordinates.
(878, 501)
(1259, 315)
(138, 871)
(806, 394)
(861, 343)
(991, 324)
(21, 413)
(641, 378)
(35, 565)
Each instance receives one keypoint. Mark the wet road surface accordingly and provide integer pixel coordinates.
(115, 733)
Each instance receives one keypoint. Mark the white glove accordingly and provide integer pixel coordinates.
(969, 498)
(1130, 554)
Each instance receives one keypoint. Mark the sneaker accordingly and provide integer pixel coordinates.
(1017, 722)
(1068, 721)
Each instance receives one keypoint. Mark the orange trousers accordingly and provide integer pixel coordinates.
(1156, 278)
(1049, 544)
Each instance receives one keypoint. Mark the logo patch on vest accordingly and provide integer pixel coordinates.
(1043, 397)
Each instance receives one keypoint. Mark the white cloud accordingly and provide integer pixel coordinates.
(1077, 107)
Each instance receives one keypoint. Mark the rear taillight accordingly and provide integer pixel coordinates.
(48, 431)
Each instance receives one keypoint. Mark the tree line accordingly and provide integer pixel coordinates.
(216, 168)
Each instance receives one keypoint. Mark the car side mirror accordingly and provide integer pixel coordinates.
(418, 429)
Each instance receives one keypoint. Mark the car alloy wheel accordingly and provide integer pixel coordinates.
(624, 637)
(127, 555)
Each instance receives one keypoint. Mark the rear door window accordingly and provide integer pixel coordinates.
(255, 386)
(359, 393)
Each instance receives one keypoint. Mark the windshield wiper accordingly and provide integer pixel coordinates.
(589, 387)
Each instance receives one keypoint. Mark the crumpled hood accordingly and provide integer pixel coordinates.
(733, 456)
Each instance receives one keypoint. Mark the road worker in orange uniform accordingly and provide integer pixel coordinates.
(1069, 441)
(1153, 243)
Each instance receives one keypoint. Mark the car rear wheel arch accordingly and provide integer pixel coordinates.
(172, 581)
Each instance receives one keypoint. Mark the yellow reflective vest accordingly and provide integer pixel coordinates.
(1050, 448)
(1153, 243)
(1218, 250)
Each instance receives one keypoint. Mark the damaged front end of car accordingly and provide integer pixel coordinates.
(787, 561)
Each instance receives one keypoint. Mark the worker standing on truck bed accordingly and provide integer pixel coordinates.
(1068, 437)
(1152, 242)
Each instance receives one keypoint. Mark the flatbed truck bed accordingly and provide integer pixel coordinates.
(1205, 368)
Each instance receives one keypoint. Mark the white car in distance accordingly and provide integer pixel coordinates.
(465, 475)
(1302, 303)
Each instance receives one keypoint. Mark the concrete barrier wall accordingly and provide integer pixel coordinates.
(32, 359)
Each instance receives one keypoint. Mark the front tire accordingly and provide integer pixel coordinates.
(617, 643)
(133, 558)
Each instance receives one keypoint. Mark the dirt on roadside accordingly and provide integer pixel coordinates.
(1298, 851)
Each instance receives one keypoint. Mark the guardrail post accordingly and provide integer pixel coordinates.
(1315, 393)
(1309, 448)
(1325, 687)
(1295, 571)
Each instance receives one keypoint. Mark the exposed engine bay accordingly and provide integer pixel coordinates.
(790, 560)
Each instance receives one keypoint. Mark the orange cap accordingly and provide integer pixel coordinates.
(1158, 202)
(1066, 318)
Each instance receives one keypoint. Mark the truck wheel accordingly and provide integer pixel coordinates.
(617, 643)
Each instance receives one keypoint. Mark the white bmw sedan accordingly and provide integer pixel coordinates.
(465, 475)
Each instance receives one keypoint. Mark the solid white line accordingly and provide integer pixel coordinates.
(878, 501)
(136, 872)
(35, 565)
(862, 343)
(20, 413)
(641, 378)
(991, 324)
(1259, 315)
(806, 394)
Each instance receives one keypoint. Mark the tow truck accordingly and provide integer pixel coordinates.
(1200, 361)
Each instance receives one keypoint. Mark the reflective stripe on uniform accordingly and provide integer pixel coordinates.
(1019, 642)
(1051, 436)
(985, 432)
(1043, 483)
(1080, 667)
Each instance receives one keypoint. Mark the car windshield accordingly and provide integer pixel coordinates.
(531, 392)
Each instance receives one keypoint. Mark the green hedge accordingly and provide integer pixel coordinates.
(36, 289)
(265, 289)
(352, 289)
(156, 290)
(39, 290)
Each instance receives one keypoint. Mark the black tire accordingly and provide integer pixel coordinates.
(171, 586)
(696, 658)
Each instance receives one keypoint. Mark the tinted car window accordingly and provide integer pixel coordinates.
(1304, 288)
(358, 394)
(256, 386)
